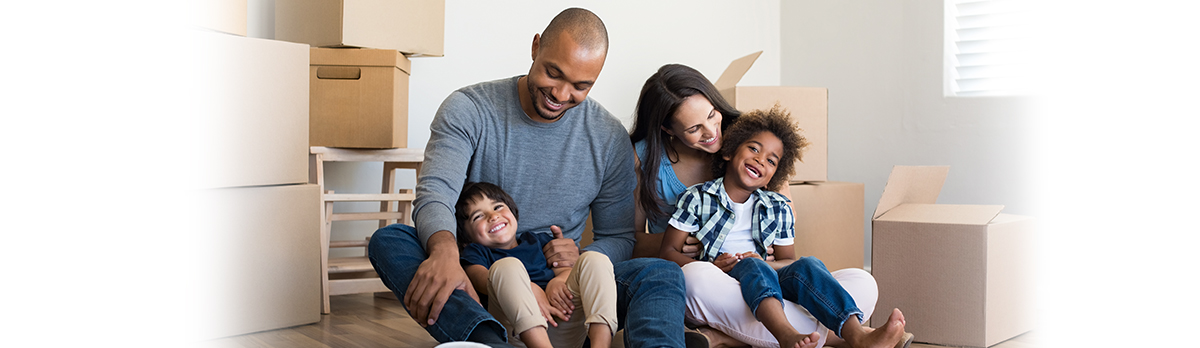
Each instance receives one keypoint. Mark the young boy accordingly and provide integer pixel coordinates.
(737, 216)
(524, 293)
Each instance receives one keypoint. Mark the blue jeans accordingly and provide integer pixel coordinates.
(806, 282)
(654, 286)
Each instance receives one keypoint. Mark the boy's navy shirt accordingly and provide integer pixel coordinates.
(528, 250)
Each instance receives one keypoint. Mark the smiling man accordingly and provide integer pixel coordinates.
(561, 156)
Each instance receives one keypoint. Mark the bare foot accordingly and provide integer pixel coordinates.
(885, 336)
(718, 339)
(800, 341)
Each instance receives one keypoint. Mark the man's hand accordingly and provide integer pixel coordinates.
(436, 278)
(691, 247)
(749, 254)
(770, 253)
(560, 252)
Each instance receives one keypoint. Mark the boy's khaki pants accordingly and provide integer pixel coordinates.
(591, 283)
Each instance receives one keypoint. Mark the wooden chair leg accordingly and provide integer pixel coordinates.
(326, 227)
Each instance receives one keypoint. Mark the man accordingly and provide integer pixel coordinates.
(561, 156)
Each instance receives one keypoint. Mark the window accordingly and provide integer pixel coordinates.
(987, 47)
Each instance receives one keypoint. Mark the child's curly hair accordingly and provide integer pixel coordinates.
(778, 121)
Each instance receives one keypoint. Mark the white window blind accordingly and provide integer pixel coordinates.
(987, 47)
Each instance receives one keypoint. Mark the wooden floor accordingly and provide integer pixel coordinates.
(366, 321)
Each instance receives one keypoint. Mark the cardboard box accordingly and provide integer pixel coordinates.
(359, 98)
(252, 111)
(415, 27)
(262, 260)
(829, 222)
(809, 107)
(960, 273)
(226, 16)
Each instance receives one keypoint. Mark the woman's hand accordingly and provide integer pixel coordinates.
(691, 247)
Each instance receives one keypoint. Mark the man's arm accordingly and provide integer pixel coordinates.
(447, 154)
(613, 208)
(442, 174)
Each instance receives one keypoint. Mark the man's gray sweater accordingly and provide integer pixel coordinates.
(556, 172)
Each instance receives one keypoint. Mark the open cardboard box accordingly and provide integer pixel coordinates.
(415, 27)
(359, 98)
(960, 273)
(809, 107)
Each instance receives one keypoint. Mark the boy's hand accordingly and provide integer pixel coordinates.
(548, 311)
(560, 296)
(560, 252)
(770, 253)
(691, 247)
(726, 261)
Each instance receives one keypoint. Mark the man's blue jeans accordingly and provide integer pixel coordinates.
(806, 282)
(654, 288)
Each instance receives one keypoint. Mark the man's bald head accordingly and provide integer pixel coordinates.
(581, 25)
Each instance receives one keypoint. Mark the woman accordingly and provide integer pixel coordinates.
(680, 119)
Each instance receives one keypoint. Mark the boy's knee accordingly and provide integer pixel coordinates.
(811, 262)
(505, 266)
(595, 261)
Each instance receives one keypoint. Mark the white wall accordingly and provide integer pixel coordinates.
(882, 63)
(488, 40)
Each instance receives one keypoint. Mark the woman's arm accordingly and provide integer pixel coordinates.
(672, 246)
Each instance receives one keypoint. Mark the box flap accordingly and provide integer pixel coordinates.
(359, 57)
(911, 184)
(736, 70)
(960, 214)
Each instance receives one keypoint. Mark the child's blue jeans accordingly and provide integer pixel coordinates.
(806, 282)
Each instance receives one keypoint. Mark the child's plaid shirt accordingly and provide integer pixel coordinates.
(707, 206)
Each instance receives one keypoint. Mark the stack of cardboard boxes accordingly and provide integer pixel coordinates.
(359, 69)
(257, 214)
(829, 214)
(264, 103)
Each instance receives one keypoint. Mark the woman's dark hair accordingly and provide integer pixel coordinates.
(778, 121)
(473, 191)
(660, 98)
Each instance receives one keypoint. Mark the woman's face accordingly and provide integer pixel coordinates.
(697, 124)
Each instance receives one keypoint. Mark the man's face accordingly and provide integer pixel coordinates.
(561, 77)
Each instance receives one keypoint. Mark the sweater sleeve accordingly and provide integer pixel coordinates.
(451, 144)
(612, 210)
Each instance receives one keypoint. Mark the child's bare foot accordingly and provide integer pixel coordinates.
(799, 340)
(718, 339)
(886, 336)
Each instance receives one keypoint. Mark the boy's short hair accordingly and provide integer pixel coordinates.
(778, 121)
(474, 191)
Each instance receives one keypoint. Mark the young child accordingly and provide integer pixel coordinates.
(523, 292)
(737, 216)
